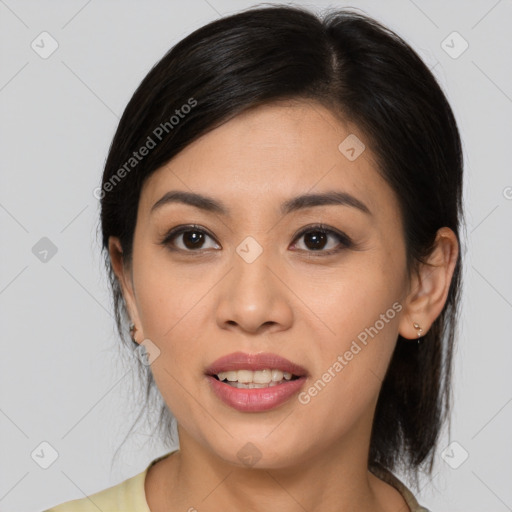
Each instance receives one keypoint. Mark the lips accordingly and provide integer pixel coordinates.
(255, 399)
(242, 361)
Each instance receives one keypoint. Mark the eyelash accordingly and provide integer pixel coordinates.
(344, 240)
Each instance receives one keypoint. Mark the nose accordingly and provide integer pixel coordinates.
(253, 297)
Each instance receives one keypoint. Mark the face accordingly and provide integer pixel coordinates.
(262, 278)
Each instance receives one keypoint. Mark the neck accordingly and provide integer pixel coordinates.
(333, 478)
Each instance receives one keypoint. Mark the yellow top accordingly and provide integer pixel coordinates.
(130, 496)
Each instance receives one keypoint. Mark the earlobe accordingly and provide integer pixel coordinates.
(133, 330)
(124, 279)
(430, 286)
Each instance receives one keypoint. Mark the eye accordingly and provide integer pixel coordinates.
(316, 239)
(192, 238)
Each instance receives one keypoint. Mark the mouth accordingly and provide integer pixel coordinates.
(262, 368)
(255, 382)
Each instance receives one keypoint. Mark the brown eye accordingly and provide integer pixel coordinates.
(192, 239)
(323, 240)
(315, 240)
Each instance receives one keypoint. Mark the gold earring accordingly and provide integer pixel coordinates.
(419, 329)
(132, 332)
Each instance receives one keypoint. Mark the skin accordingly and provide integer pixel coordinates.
(198, 306)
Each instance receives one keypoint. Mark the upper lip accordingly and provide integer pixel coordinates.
(261, 361)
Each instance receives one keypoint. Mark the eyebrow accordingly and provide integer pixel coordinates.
(297, 203)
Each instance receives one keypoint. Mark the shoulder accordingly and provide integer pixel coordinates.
(386, 475)
(127, 496)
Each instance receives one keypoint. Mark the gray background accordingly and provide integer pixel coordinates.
(61, 381)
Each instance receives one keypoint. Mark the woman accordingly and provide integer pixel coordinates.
(280, 212)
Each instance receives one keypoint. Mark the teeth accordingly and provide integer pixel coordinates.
(262, 377)
(259, 378)
(277, 375)
(231, 376)
(245, 376)
(252, 385)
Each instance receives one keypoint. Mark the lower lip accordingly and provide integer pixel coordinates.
(256, 399)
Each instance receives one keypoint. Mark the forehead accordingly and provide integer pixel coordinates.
(272, 153)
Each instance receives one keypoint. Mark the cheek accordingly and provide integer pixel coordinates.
(166, 296)
(360, 310)
(172, 314)
(352, 298)
(350, 365)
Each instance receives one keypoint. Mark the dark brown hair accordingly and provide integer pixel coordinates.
(364, 73)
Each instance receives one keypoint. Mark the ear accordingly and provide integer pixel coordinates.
(430, 286)
(124, 276)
